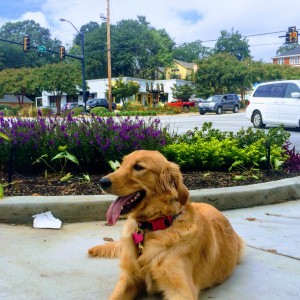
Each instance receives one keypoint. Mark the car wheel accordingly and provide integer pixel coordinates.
(202, 112)
(236, 109)
(257, 120)
(219, 110)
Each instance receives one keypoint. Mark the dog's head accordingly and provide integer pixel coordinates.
(148, 186)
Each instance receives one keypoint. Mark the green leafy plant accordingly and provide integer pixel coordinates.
(64, 156)
(252, 172)
(114, 164)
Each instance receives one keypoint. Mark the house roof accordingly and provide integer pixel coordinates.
(14, 99)
(185, 64)
(292, 52)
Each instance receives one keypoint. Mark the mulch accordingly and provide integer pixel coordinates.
(52, 186)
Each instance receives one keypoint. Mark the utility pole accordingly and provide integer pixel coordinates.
(109, 94)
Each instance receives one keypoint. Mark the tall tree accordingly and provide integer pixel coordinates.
(136, 47)
(233, 43)
(59, 79)
(13, 56)
(189, 52)
(18, 82)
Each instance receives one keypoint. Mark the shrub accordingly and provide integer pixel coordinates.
(100, 111)
(76, 111)
(211, 148)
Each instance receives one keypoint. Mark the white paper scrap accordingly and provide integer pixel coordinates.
(46, 220)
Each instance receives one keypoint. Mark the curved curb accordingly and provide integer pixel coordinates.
(70, 209)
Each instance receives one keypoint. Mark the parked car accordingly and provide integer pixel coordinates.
(70, 105)
(185, 105)
(98, 102)
(274, 103)
(220, 103)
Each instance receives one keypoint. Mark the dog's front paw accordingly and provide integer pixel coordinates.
(95, 251)
(110, 250)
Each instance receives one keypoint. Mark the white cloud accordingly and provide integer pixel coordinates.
(38, 17)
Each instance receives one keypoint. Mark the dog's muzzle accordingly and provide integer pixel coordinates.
(105, 183)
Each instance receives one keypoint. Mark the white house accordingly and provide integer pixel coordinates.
(150, 91)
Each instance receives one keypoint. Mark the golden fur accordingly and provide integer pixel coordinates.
(199, 250)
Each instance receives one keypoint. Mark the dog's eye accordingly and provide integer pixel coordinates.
(138, 167)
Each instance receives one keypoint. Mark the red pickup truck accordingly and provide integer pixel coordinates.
(185, 105)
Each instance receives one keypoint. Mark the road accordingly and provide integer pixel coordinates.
(227, 122)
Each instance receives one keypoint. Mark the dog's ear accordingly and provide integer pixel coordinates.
(171, 180)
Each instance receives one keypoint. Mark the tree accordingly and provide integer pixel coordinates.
(136, 49)
(234, 44)
(216, 75)
(18, 82)
(286, 47)
(122, 90)
(189, 52)
(59, 79)
(13, 56)
(183, 92)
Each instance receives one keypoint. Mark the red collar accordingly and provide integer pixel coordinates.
(158, 224)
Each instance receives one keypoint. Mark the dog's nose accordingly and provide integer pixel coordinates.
(105, 183)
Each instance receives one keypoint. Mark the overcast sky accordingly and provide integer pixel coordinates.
(184, 21)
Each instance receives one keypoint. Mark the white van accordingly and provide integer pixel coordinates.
(274, 103)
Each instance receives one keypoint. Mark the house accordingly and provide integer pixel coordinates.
(290, 57)
(150, 91)
(12, 101)
(181, 70)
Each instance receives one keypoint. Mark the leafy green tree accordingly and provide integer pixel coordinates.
(286, 47)
(216, 75)
(234, 44)
(13, 56)
(189, 52)
(183, 92)
(59, 79)
(18, 82)
(136, 49)
(122, 90)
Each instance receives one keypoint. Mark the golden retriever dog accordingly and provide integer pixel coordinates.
(169, 245)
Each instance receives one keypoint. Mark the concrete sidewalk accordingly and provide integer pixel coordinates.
(53, 264)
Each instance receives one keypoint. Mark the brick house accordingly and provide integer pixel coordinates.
(290, 58)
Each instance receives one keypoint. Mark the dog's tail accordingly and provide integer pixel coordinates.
(108, 250)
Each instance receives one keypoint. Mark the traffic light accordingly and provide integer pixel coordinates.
(26, 43)
(294, 37)
(291, 36)
(62, 52)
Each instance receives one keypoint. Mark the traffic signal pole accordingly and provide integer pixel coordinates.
(37, 48)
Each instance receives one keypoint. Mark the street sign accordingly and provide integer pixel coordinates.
(42, 48)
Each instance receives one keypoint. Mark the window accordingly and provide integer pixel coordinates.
(262, 91)
(280, 61)
(296, 60)
(229, 97)
(291, 88)
(278, 90)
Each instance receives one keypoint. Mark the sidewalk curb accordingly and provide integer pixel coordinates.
(70, 209)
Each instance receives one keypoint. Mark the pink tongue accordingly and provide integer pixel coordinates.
(114, 210)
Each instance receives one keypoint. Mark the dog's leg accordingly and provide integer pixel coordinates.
(127, 288)
(109, 250)
(177, 286)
